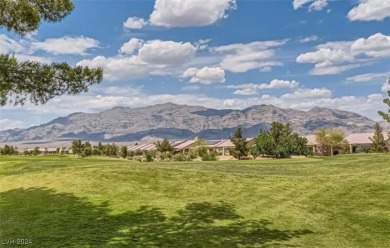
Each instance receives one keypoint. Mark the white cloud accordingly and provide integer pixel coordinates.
(253, 89)
(314, 4)
(386, 85)
(206, 75)
(241, 57)
(300, 94)
(166, 52)
(339, 56)
(377, 45)
(189, 13)
(135, 23)
(308, 39)
(191, 87)
(6, 124)
(24, 57)
(154, 57)
(131, 46)
(368, 77)
(370, 10)
(66, 45)
(8, 45)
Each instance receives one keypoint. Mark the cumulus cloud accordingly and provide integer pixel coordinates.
(314, 5)
(66, 45)
(154, 57)
(167, 52)
(308, 93)
(385, 86)
(131, 46)
(339, 56)
(368, 77)
(135, 23)
(241, 57)
(189, 13)
(253, 89)
(377, 45)
(370, 10)
(206, 75)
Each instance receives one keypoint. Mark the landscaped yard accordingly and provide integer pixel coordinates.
(55, 201)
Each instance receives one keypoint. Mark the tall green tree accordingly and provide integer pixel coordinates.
(77, 147)
(163, 146)
(280, 142)
(123, 151)
(378, 140)
(33, 81)
(386, 116)
(240, 149)
(329, 138)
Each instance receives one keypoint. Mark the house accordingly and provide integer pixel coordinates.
(223, 146)
(361, 140)
(184, 146)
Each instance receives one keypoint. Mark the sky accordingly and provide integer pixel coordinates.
(220, 54)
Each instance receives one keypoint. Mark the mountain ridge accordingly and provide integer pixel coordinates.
(176, 121)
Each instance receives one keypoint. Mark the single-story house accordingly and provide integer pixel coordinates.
(223, 146)
(360, 140)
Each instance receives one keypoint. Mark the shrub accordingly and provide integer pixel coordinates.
(212, 156)
(180, 157)
(149, 156)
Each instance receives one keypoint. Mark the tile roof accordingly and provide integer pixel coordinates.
(184, 144)
(362, 138)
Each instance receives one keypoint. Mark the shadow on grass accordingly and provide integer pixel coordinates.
(53, 219)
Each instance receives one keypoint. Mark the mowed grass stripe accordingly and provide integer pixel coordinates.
(321, 202)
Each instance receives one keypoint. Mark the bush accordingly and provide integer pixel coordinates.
(87, 152)
(180, 157)
(363, 149)
(212, 156)
(149, 156)
(131, 154)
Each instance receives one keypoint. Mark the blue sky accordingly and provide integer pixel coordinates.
(217, 53)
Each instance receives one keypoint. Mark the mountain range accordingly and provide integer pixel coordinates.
(174, 121)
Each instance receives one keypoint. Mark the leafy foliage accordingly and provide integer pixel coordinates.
(328, 138)
(38, 83)
(24, 16)
(31, 80)
(123, 152)
(163, 146)
(241, 145)
(386, 116)
(280, 142)
(378, 141)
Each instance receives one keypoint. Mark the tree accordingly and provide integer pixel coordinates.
(77, 147)
(240, 149)
(328, 138)
(123, 152)
(34, 81)
(163, 146)
(378, 140)
(386, 116)
(336, 138)
(280, 142)
(36, 151)
(264, 143)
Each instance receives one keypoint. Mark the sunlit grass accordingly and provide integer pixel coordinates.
(56, 201)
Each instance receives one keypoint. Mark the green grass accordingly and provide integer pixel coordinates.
(343, 201)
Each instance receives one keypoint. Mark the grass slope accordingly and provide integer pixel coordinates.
(57, 201)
